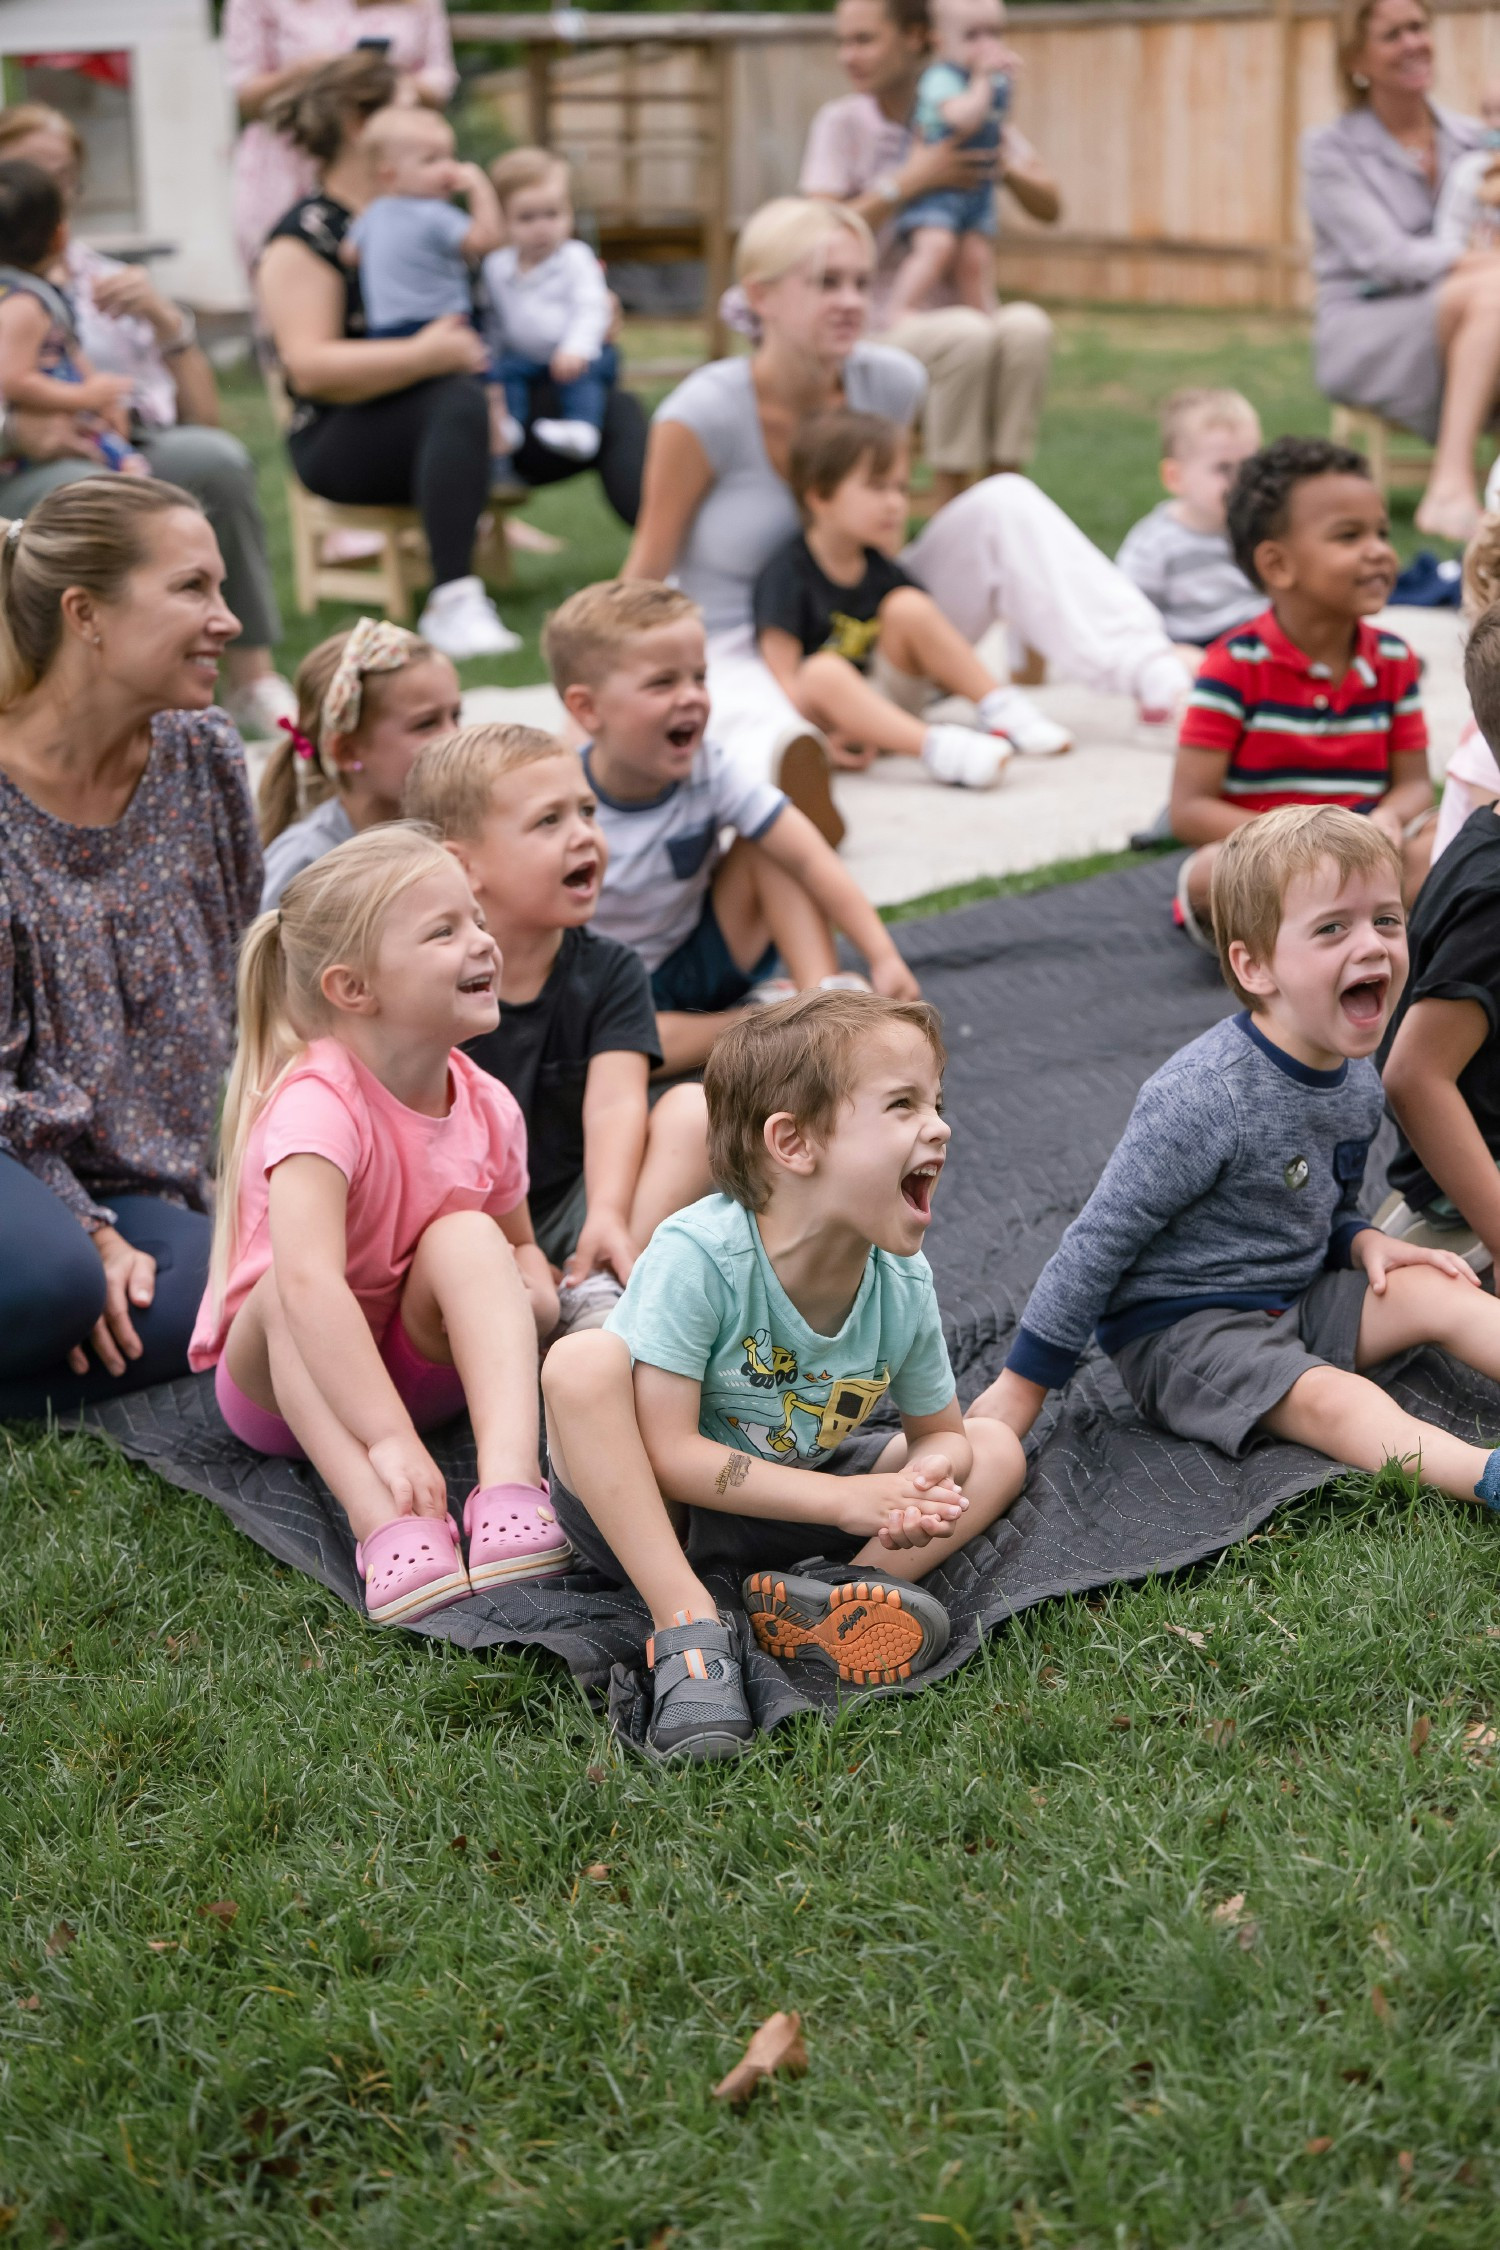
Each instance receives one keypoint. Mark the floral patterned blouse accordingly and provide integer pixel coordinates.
(117, 961)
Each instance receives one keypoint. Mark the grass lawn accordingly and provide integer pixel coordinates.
(1170, 1921)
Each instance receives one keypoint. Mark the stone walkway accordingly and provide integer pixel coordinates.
(908, 838)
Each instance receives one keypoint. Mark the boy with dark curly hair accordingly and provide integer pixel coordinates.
(1309, 703)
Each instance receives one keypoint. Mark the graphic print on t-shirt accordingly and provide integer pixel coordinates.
(807, 1412)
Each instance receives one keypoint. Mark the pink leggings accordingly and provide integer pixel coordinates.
(430, 1393)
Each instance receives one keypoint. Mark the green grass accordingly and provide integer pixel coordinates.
(425, 2023)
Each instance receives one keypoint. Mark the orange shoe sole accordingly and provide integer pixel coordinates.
(872, 1632)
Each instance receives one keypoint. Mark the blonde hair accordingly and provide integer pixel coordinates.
(19, 122)
(802, 1056)
(90, 534)
(778, 236)
(584, 640)
(294, 783)
(522, 168)
(1258, 862)
(1350, 34)
(1188, 413)
(332, 912)
(390, 126)
(450, 786)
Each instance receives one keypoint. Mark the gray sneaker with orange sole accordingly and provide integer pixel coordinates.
(872, 1631)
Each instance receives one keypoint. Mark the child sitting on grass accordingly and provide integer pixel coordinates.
(577, 1034)
(721, 1417)
(857, 646)
(1309, 704)
(1180, 555)
(368, 702)
(373, 1269)
(1222, 1259)
(629, 661)
(1442, 1054)
(41, 365)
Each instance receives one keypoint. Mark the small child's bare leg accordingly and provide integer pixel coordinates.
(758, 904)
(674, 1171)
(928, 262)
(974, 272)
(836, 696)
(1352, 1419)
(994, 1481)
(594, 1442)
(466, 1304)
(916, 638)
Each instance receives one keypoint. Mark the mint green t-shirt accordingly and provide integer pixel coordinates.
(703, 1301)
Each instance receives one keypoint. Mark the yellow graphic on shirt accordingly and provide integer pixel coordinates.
(852, 637)
(850, 1401)
(768, 1365)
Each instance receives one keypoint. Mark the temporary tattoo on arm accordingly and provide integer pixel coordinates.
(735, 1470)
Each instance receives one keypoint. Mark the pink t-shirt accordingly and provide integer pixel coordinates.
(404, 1170)
(850, 142)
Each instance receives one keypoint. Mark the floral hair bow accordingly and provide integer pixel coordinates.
(373, 646)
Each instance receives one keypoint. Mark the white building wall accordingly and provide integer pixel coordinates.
(183, 119)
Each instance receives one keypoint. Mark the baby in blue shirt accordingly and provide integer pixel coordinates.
(964, 91)
(720, 1418)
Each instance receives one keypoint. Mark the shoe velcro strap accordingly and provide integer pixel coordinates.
(688, 1650)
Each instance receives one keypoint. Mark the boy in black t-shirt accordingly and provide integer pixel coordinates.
(577, 1038)
(856, 645)
(1441, 1058)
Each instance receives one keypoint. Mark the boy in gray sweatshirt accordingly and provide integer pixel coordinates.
(1222, 1260)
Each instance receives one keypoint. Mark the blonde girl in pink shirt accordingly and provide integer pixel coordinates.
(374, 1268)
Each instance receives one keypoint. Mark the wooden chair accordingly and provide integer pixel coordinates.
(1396, 458)
(398, 562)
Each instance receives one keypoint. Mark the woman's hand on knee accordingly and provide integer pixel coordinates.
(129, 1281)
(410, 1475)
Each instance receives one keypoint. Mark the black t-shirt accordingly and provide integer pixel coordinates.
(597, 1001)
(320, 225)
(1454, 939)
(794, 595)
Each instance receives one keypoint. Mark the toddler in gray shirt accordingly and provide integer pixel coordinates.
(1179, 555)
(1223, 1261)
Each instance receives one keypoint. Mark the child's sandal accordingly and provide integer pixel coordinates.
(873, 1631)
(410, 1568)
(513, 1534)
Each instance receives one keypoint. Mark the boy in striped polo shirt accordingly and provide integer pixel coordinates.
(1310, 703)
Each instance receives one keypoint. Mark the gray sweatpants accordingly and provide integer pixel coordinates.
(217, 470)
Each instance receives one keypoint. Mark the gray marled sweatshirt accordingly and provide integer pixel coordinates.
(1235, 1182)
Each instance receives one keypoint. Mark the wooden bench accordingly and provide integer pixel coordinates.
(1396, 458)
(398, 563)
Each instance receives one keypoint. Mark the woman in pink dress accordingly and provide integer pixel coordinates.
(270, 44)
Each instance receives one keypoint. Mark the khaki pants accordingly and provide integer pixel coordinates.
(987, 377)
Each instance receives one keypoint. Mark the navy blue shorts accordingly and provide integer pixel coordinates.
(702, 976)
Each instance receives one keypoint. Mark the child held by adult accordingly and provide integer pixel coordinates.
(551, 306)
(1310, 703)
(629, 661)
(577, 1036)
(721, 1418)
(1180, 555)
(42, 368)
(963, 93)
(374, 1268)
(856, 644)
(1222, 1260)
(368, 703)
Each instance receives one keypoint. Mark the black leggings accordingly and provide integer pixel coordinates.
(52, 1292)
(427, 447)
(620, 459)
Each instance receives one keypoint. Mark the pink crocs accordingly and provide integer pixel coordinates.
(513, 1534)
(410, 1568)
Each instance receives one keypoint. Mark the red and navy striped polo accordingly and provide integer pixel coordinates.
(1292, 733)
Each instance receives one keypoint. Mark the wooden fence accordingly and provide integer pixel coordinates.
(1172, 126)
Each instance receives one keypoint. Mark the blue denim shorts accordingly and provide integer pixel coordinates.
(958, 210)
(702, 976)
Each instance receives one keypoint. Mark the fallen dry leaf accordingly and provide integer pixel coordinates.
(596, 1871)
(597, 1774)
(1419, 1736)
(1121, 1722)
(1405, 2162)
(161, 1944)
(1246, 1935)
(1319, 2145)
(1479, 1740)
(220, 1910)
(1219, 1733)
(61, 1938)
(458, 1843)
(1186, 1633)
(30, 2003)
(777, 2045)
(1228, 1911)
(1381, 2005)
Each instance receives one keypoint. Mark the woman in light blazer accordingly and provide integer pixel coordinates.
(1406, 324)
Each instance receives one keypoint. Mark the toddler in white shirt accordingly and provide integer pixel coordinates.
(550, 306)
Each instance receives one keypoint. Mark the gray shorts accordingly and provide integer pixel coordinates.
(736, 1543)
(1216, 1374)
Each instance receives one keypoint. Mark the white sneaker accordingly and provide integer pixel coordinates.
(964, 759)
(1007, 711)
(1162, 688)
(587, 1303)
(575, 441)
(461, 620)
(845, 980)
(769, 992)
(256, 707)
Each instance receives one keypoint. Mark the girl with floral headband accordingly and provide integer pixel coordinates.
(368, 702)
